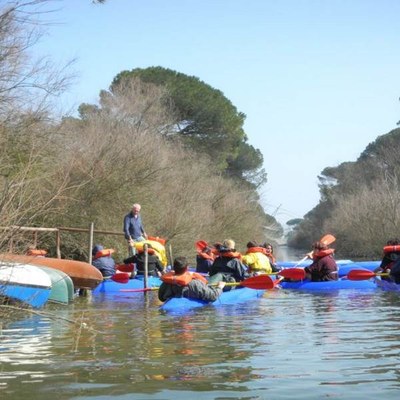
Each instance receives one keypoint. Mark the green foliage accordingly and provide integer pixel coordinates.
(206, 120)
(357, 200)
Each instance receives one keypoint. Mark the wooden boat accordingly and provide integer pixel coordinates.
(83, 275)
(25, 283)
(62, 287)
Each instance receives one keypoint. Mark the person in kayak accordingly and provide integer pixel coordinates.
(154, 265)
(182, 283)
(102, 260)
(391, 253)
(269, 252)
(323, 267)
(256, 259)
(204, 258)
(228, 266)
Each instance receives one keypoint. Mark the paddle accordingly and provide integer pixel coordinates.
(362, 275)
(327, 239)
(260, 282)
(292, 273)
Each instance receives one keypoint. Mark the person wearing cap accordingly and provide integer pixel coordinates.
(228, 266)
(182, 283)
(323, 267)
(154, 265)
(103, 261)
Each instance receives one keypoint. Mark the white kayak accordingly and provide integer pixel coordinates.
(25, 283)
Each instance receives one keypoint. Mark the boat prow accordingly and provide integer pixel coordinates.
(83, 275)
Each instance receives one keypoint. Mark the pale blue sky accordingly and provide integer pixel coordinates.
(318, 80)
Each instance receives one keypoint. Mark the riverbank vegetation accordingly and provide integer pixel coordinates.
(359, 202)
(157, 137)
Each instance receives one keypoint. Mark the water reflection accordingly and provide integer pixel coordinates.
(341, 345)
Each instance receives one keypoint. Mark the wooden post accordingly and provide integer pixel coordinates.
(146, 266)
(91, 229)
(171, 259)
(58, 244)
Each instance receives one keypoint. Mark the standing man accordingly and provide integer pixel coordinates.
(133, 227)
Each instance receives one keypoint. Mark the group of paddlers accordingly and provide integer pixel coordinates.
(217, 265)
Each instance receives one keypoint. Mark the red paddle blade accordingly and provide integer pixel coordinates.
(201, 245)
(125, 267)
(122, 277)
(260, 282)
(293, 273)
(360, 275)
(327, 239)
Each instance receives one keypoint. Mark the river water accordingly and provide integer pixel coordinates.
(285, 345)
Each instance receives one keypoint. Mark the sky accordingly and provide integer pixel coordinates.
(317, 80)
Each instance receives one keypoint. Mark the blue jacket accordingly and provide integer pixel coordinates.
(133, 227)
(106, 265)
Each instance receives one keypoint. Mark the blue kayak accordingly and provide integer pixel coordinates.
(387, 286)
(305, 263)
(183, 304)
(340, 284)
(109, 286)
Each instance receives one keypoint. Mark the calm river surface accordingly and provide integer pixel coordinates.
(286, 345)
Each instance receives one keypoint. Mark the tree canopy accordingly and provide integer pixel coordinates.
(206, 121)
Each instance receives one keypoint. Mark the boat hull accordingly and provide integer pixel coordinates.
(327, 286)
(108, 286)
(83, 275)
(25, 283)
(387, 285)
(62, 287)
(237, 296)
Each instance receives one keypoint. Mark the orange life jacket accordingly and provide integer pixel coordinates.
(391, 249)
(206, 256)
(322, 253)
(230, 254)
(149, 250)
(256, 250)
(103, 253)
(183, 279)
(157, 239)
(36, 252)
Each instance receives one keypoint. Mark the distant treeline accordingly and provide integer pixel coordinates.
(359, 202)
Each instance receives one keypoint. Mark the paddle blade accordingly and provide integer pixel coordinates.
(361, 275)
(328, 239)
(201, 245)
(125, 267)
(260, 282)
(122, 277)
(297, 274)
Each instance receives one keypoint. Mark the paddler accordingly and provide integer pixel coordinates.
(182, 283)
